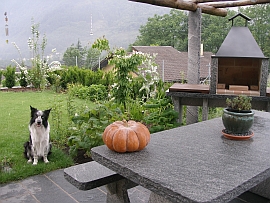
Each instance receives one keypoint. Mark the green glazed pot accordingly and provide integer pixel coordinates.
(236, 122)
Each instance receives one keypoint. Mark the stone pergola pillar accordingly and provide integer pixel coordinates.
(194, 45)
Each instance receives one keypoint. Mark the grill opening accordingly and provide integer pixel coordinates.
(234, 72)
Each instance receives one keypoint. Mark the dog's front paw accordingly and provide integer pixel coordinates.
(35, 162)
(29, 161)
(46, 160)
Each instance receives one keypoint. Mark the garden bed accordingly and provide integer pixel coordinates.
(19, 89)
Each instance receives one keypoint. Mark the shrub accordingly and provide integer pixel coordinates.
(23, 77)
(88, 128)
(160, 115)
(10, 77)
(97, 93)
(92, 93)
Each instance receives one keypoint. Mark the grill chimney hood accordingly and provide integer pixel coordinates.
(240, 43)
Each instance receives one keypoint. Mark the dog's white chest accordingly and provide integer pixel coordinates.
(40, 138)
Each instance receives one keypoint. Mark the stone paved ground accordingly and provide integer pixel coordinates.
(53, 188)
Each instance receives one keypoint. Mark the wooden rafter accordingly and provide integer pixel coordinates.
(212, 7)
(185, 5)
(204, 1)
(233, 3)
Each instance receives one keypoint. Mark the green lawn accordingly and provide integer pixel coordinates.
(14, 119)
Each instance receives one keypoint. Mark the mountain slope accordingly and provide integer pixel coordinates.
(66, 21)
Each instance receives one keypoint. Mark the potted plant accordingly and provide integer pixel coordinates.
(238, 118)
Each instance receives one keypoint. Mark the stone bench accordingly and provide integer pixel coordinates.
(90, 175)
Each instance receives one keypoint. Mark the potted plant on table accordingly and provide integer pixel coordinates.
(238, 118)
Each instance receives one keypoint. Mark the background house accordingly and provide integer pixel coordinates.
(172, 64)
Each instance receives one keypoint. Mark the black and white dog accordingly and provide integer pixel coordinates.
(39, 144)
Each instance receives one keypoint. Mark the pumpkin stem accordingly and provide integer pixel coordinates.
(125, 123)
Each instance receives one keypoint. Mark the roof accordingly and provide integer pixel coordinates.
(103, 63)
(240, 43)
(175, 62)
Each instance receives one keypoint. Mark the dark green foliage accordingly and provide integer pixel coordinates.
(167, 30)
(23, 76)
(86, 77)
(93, 77)
(92, 93)
(69, 75)
(88, 129)
(160, 115)
(10, 77)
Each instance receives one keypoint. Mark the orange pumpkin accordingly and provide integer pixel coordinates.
(123, 136)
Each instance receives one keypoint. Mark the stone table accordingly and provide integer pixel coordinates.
(195, 163)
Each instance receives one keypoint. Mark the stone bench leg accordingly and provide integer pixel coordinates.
(117, 191)
(262, 189)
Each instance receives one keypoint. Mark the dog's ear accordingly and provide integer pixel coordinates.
(47, 112)
(32, 108)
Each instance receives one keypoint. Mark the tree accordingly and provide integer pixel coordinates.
(259, 25)
(172, 29)
(214, 31)
(81, 56)
(167, 30)
(75, 55)
(92, 58)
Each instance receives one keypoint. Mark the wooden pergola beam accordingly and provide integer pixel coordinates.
(204, 1)
(208, 9)
(233, 3)
(178, 4)
(185, 5)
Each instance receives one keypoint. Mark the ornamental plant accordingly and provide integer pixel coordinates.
(38, 74)
(239, 103)
(39, 65)
(124, 66)
(87, 128)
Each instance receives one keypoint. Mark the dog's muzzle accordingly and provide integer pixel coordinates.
(38, 123)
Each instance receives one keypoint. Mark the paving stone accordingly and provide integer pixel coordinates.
(28, 198)
(94, 195)
(12, 190)
(58, 178)
(44, 190)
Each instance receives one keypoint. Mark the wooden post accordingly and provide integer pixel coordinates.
(205, 110)
(194, 45)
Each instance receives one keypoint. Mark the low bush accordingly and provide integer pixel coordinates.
(10, 77)
(92, 93)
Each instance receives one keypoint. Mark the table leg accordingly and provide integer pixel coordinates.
(154, 198)
(262, 189)
(117, 191)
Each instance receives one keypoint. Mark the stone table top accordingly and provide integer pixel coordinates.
(195, 163)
